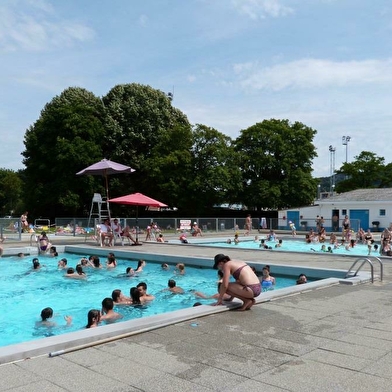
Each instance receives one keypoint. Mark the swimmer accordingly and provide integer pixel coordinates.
(236, 239)
(36, 264)
(93, 318)
(46, 314)
(279, 244)
(53, 251)
(173, 288)
(119, 298)
(140, 265)
(180, 269)
(94, 262)
(165, 266)
(111, 261)
(135, 296)
(130, 271)
(108, 314)
(267, 281)
(62, 263)
(302, 279)
(144, 297)
(78, 274)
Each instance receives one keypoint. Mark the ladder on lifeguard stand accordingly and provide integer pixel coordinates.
(99, 209)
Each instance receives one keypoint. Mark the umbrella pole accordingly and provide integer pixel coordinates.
(137, 226)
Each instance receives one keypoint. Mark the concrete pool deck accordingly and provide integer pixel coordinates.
(333, 339)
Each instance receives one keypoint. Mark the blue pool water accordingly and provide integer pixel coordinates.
(24, 293)
(293, 245)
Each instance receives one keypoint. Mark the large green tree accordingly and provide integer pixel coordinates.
(216, 177)
(169, 166)
(276, 162)
(66, 138)
(138, 118)
(366, 171)
(11, 187)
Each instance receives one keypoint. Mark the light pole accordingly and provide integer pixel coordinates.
(345, 141)
(332, 168)
(318, 191)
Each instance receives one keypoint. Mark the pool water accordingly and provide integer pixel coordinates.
(294, 245)
(24, 293)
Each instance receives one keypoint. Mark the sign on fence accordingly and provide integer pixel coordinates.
(185, 224)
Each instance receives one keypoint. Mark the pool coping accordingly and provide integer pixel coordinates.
(57, 345)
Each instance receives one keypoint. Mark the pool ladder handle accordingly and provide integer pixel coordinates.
(364, 260)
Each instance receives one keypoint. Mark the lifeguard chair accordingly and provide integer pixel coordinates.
(99, 209)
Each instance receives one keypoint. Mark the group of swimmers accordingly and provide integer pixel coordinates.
(138, 294)
(246, 287)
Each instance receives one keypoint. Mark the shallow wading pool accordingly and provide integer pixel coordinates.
(289, 244)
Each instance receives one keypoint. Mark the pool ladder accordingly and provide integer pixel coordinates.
(365, 260)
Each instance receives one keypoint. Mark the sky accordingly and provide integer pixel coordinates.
(229, 63)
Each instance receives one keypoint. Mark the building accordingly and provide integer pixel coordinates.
(366, 208)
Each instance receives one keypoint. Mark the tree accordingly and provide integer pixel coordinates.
(169, 167)
(276, 162)
(138, 117)
(10, 191)
(66, 138)
(366, 171)
(216, 176)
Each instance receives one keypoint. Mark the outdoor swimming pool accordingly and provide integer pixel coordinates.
(24, 293)
(288, 245)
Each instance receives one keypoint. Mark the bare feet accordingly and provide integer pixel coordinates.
(247, 304)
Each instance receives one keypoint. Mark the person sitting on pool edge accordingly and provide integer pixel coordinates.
(247, 285)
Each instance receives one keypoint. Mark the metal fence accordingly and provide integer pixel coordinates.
(78, 226)
(74, 226)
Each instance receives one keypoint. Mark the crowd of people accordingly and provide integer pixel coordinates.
(245, 285)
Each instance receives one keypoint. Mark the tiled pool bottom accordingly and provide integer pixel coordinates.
(84, 338)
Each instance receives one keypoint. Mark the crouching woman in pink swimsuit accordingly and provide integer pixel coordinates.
(247, 285)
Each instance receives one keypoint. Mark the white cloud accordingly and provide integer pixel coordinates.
(260, 9)
(37, 28)
(311, 73)
(191, 78)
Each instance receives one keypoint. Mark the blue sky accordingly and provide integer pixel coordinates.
(231, 63)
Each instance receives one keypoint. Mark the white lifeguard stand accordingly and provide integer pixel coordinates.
(99, 210)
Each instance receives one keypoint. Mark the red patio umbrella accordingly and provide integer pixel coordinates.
(105, 167)
(137, 199)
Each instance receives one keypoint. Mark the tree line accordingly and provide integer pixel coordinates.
(191, 167)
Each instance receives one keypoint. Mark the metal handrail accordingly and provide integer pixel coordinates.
(381, 267)
(364, 260)
(35, 239)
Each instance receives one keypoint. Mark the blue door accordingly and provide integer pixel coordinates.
(292, 216)
(359, 218)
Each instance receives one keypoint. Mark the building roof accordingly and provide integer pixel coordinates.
(377, 194)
